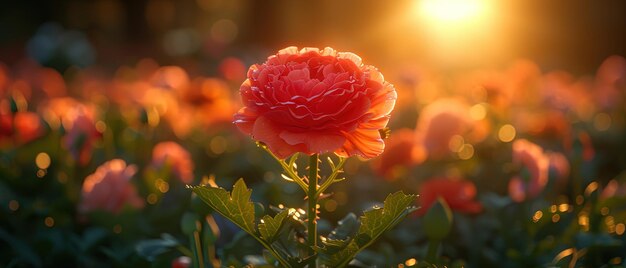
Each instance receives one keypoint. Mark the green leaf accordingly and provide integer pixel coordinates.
(236, 206)
(269, 226)
(152, 248)
(373, 223)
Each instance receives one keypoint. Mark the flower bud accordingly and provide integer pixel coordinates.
(438, 220)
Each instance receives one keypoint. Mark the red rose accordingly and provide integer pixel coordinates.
(316, 101)
(459, 195)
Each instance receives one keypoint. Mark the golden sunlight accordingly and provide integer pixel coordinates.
(453, 11)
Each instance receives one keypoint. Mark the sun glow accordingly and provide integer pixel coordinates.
(453, 11)
(454, 25)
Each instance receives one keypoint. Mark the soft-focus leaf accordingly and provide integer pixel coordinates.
(152, 248)
(269, 227)
(373, 223)
(236, 206)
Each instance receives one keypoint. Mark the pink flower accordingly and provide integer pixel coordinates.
(316, 101)
(400, 154)
(459, 194)
(110, 189)
(439, 122)
(532, 159)
(175, 157)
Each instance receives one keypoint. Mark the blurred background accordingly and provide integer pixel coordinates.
(513, 112)
(576, 35)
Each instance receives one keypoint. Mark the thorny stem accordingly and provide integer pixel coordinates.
(312, 210)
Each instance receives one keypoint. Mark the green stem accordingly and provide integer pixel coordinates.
(433, 247)
(312, 212)
(198, 251)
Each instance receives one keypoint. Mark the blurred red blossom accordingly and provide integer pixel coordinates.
(109, 188)
(171, 155)
(459, 195)
(316, 101)
(533, 175)
(399, 155)
(232, 69)
(20, 128)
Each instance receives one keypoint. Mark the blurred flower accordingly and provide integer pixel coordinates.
(458, 194)
(232, 69)
(559, 165)
(561, 91)
(110, 189)
(534, 170)
(172, 155)
(610, 82)
(439, 122)
(316, 101)
(20, 128)
(502, 88)
(613, 189)
(170, 77)
(206, 103)
(81, 137)
(399, 155)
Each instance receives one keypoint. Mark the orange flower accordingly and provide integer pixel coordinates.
(174, 156)
(459, 194)
(533, 161)
(316, 101)
(110, 189)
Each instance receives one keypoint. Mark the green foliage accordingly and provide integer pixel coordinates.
(269, 227)
(342, 245)
(339, 252)
(236, 207)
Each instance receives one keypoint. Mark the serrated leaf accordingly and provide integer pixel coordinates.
(373, 223)
(269, 226)
(235, 206)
